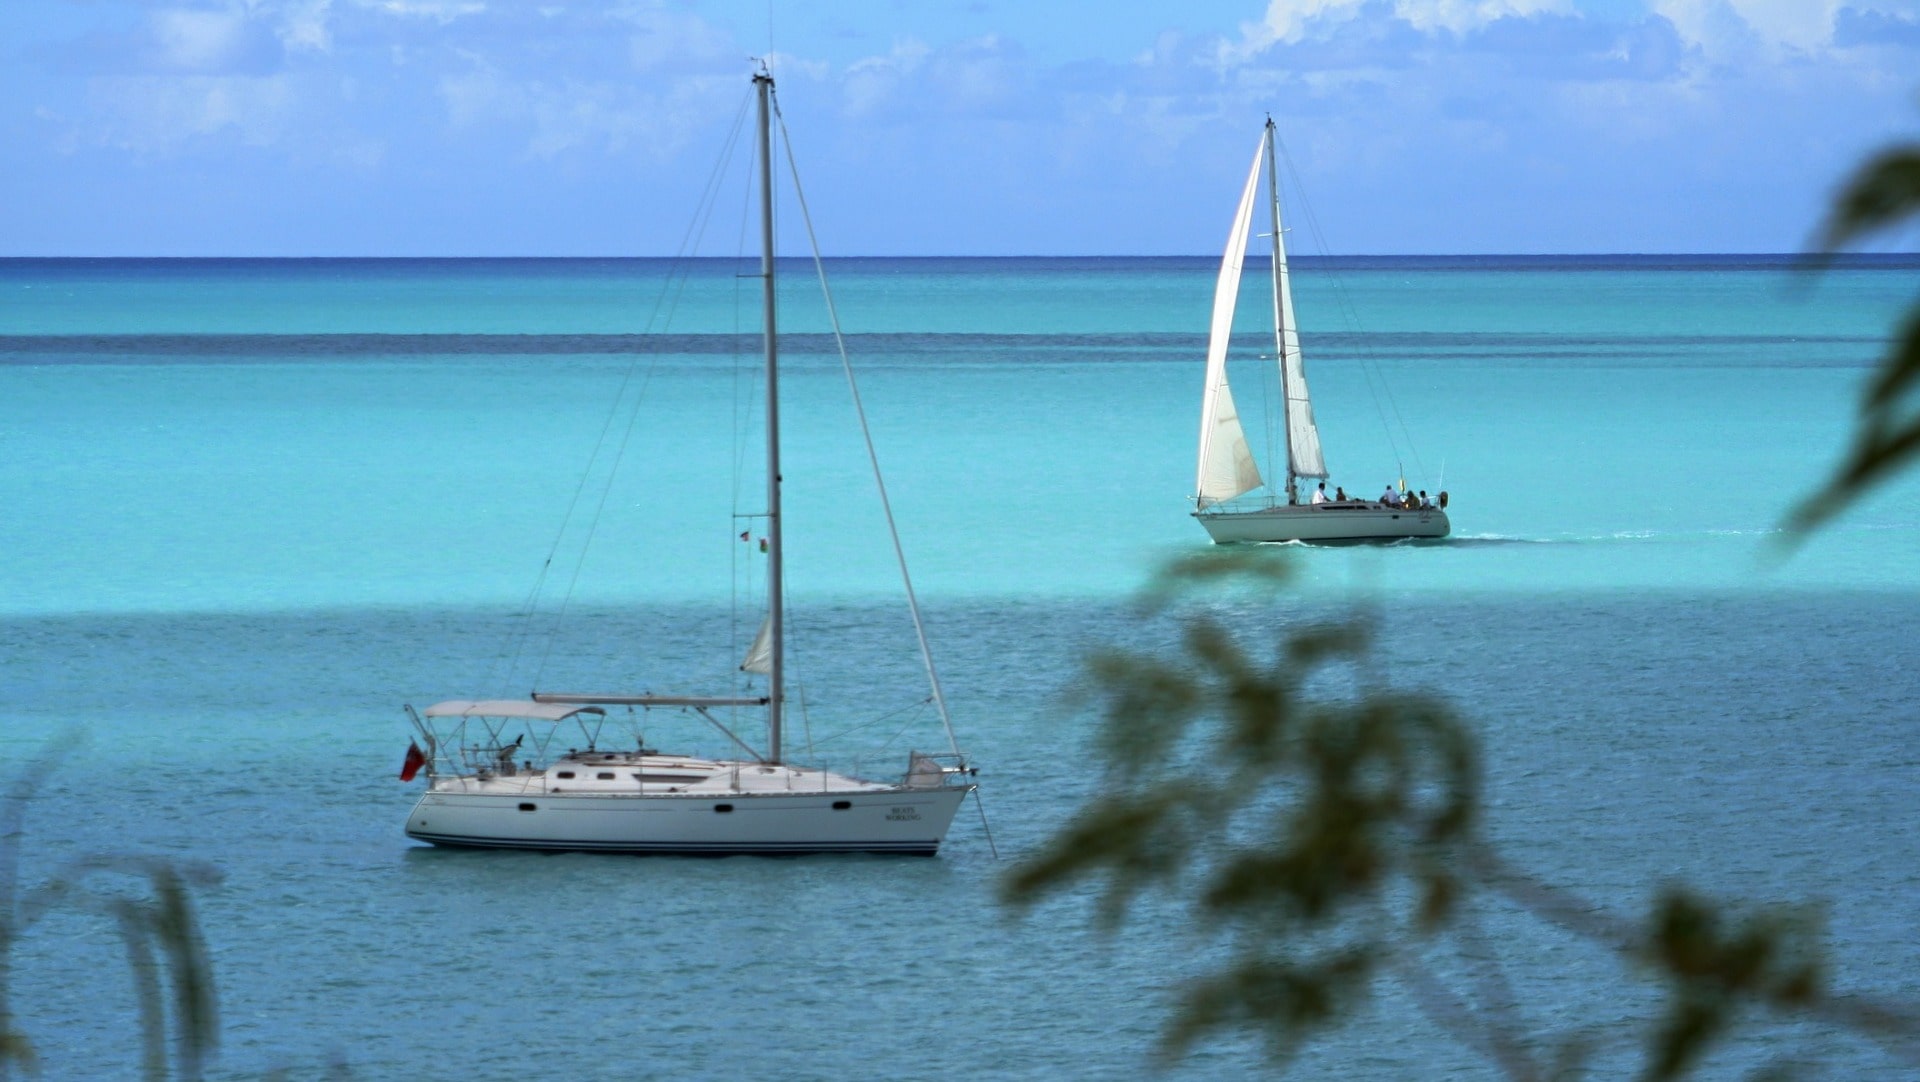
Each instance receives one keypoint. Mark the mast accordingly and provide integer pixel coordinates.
(776, 586)
(1280, 312)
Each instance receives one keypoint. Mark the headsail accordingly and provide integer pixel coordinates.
(1303, 437)
(759, 657)
(1226, 462)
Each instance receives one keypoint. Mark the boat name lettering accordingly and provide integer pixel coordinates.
(903, 814)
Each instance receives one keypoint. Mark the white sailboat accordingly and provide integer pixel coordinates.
(486, 791)
(1227, 470)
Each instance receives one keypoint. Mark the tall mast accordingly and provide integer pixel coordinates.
(1280, 313)
(776, 587)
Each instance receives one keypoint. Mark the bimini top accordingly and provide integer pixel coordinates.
(508, 708)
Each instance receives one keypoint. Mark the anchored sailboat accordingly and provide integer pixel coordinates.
(484, 791)
(1227, 470)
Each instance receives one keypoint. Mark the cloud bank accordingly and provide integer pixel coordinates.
(1434, 125)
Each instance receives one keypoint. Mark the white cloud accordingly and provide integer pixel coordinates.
(198, 40)
(304, 26)
(784, 64)
(983, 75)
(871, 83)
(672, 38)
(150, 113)
(557, 118)
(1292, 21)
(443, 11)
(1737, 31)
(1462, 16)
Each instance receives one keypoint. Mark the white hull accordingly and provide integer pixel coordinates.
(783, 811)
(1322, 522)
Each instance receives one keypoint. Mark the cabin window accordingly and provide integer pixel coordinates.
(842, 805)
(723, 807)
(605, 775)
(528, 807)
(564, 774)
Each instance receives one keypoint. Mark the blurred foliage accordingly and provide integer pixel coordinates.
(1882, 195)
(150, 903)
(1326, 827)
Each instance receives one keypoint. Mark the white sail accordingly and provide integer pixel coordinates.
(1226, 462)
(1303, 438)
(760, 655)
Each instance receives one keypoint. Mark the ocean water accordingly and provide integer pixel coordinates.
(249, 508)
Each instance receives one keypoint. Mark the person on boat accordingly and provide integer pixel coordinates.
(1390, 498)
(1339, 494)
(1320, 494)
(1425, 504)
(1443, 499)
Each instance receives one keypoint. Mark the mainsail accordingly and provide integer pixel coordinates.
(1303, 438)
(1226, 462)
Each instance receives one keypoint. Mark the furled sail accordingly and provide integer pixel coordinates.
(760, 654)
(1303, 437)
(1226, 462)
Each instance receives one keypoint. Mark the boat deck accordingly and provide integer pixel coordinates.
(630, 773)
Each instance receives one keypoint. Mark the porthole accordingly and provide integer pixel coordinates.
(605, 775)
(842, 805)
(529, 807)
(564, 774)
(723, 807)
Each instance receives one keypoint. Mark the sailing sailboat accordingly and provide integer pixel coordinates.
(1227, 469)
(486, 791)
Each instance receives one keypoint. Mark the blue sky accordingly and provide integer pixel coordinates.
(565, 127)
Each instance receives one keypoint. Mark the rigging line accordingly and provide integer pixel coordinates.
(1273, 411)
(741, 415)
(981, 807)
(866, 434)
(1369, 361)
(876, 720)
(679, 271)
(668, 299)
(1376, 381)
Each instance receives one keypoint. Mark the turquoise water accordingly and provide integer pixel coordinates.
(254, 506)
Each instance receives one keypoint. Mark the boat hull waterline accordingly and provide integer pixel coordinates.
(1323, 522)
(890, 820)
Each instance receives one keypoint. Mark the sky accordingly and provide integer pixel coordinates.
(940, 127)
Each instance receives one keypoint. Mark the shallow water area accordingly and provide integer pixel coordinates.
(254, 508)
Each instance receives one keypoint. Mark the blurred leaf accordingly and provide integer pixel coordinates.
(1715, 964)
(159, 929)
(1286, 1001)
(1881, 193)
(1884, 192)
(1885, 442)
(1290, 803)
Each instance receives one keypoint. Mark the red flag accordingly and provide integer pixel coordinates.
(415, 760)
